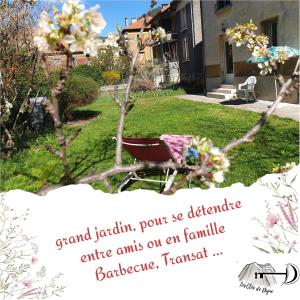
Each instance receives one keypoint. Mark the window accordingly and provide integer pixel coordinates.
(270, 30)
(185, 49)
(228, 58)
(183, 19)
(222, 3)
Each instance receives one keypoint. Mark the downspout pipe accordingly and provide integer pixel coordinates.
(193, 35)
(192, 22)
(202, 50)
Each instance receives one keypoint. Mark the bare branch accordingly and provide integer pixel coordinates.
(114, 96)
(107, 185)
(181, 182)
(54, 151)
(53, 108)
(10, 143)
(72, 136)
(134, 168)
(21, 109)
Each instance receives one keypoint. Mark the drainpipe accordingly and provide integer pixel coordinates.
(192, 21)
(202, 51)
(193, 28)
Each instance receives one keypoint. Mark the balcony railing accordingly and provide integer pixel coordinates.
(171, 37)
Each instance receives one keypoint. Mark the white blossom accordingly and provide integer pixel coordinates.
(41, 42)
(218, 177)
(90, 47)
(162, 33)
(111, 40)
(215, 151)
(70, 6)
(159, 34)
(97, 22)
(45, 22)
(74, 28)
(5, 110)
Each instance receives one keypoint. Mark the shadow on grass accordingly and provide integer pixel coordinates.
(84, 114)
(99, 151)
(25, 139)
(85, 161)
(236, 102)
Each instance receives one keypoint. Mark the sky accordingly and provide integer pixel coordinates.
(115, 11)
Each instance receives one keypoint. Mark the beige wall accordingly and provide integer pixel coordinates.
(287, 12)
(146, 55)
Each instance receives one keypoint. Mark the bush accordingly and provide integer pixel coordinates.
(140, 85)
(111, 77)
(108, 61)
(80, 90)
(89, 71)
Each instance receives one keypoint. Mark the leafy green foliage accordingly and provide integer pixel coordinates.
(108, 61)
(80, 90)
(90, 71)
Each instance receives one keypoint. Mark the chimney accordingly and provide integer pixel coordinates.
(126, 22)
(133, 20)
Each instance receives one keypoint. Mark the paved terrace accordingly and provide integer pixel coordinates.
(284, 110)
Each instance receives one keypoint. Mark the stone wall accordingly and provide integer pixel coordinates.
(39, 118)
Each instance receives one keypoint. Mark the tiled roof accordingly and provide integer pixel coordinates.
(138, 24)
(165, 7)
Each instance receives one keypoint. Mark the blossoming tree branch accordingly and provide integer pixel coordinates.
(75, 28)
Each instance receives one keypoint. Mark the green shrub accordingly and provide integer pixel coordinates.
(107, 61)
(89, 71)
(80, 90)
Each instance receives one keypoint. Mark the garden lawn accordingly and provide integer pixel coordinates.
(93, 150)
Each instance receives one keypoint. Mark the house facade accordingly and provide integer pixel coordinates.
(57, 61)
(225, 63)
(190, 40)
(198, 45)
(133, 30)
(165, 54)
(183, 48)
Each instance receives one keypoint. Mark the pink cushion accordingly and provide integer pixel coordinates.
(176, 144)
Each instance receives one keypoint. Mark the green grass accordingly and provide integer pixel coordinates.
(93, 150)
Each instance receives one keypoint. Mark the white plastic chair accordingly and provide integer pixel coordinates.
(248, 87)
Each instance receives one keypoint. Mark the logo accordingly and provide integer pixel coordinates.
(261, 277)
